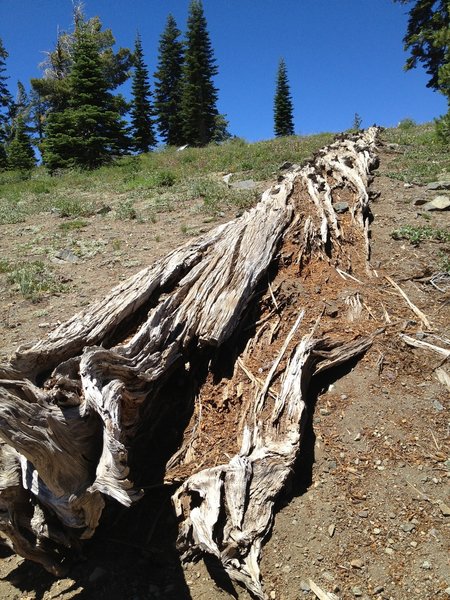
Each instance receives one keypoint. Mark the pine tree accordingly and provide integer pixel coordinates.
(283, 118)
(428, 39)
(5, 105)
(199, 96)
(90, 131)
(53, 88)
(167, 96)
(143, 138)
(20, 152)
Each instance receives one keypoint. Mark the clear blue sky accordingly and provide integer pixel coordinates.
(342, 56)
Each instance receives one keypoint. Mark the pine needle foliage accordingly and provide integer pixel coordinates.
(20, 154)
(167, 96)
(283, 107)
(90, 131)
(199, 95)
(143, 135)
(5, 104)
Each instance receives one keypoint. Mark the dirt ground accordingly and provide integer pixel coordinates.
(366, 513)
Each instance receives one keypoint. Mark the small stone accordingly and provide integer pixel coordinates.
(304, 586)
(378, 589)
(376, 530)
(389, 551)
(286, 569)
(413, 544)
(420, 201)
(357, 563)
(286, 165)
(426, 565)
(246, 184)
(67, 256)
(357, 437)
(104, 210)
(407, 527)
(331, 529)
(328, 576)
(438, 203)
(445, 510)
(407, 185)
(357, 591)
(319, 557)
(273, 594)
(438, 406)
(363, 514)
(341, 207)
(324, 411)
(447, 591)
(438, 185)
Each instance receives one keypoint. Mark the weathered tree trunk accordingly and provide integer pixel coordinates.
(256, 293)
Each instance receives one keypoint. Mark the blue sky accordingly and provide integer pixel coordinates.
(342, 56)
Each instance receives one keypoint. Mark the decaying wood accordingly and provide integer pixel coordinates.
(71, 405)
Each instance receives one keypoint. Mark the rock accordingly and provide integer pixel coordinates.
(246, 184)
(331, 529)
(286, 165)
(67, 256)
(407, 527)
(226, 178)
(104, 210)
(304, 586)
(181, 148)
(445, 510)
(340, 207)
(325, 412)
(437, 405)
(357, 563)
(328, 576)
(273, 594)
(356, 591)
(286, 569)
(378, 589)
(419, 201)
(438, 185)
(363, 514)
(331, 310)
(438, 203)
(357, 437)
(407, 185)
(389, 551)
(426, 565)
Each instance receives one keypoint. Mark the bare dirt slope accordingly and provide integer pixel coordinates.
(367, 512)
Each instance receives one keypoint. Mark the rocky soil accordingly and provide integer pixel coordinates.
(367, 511)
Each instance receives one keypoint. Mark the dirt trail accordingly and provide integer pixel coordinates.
(366, 515)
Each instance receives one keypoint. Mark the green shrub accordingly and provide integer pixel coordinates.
(34, 279)
(407, 123)
(415, 235)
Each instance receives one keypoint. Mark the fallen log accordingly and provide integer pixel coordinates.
(73, 404)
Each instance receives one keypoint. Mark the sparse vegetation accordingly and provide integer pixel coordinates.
(421, 158)
(34, 279)
(73, 225)
(417, 234)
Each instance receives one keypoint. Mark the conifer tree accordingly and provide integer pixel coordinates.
(199, 95)
(143, 136)
(5, 105)
(167, 96)
(283, 117)
(20, 152)
(90, 131)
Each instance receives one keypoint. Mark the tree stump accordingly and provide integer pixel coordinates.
(246, 315)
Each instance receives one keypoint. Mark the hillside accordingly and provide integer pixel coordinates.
(366, 514)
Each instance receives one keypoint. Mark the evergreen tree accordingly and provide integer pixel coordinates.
(141, 110)
(168, 75)
(428, 39)
(20, 152)
(283, 108)
(53, 88)
(90, 131)
(199, 96)
(5, 105)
